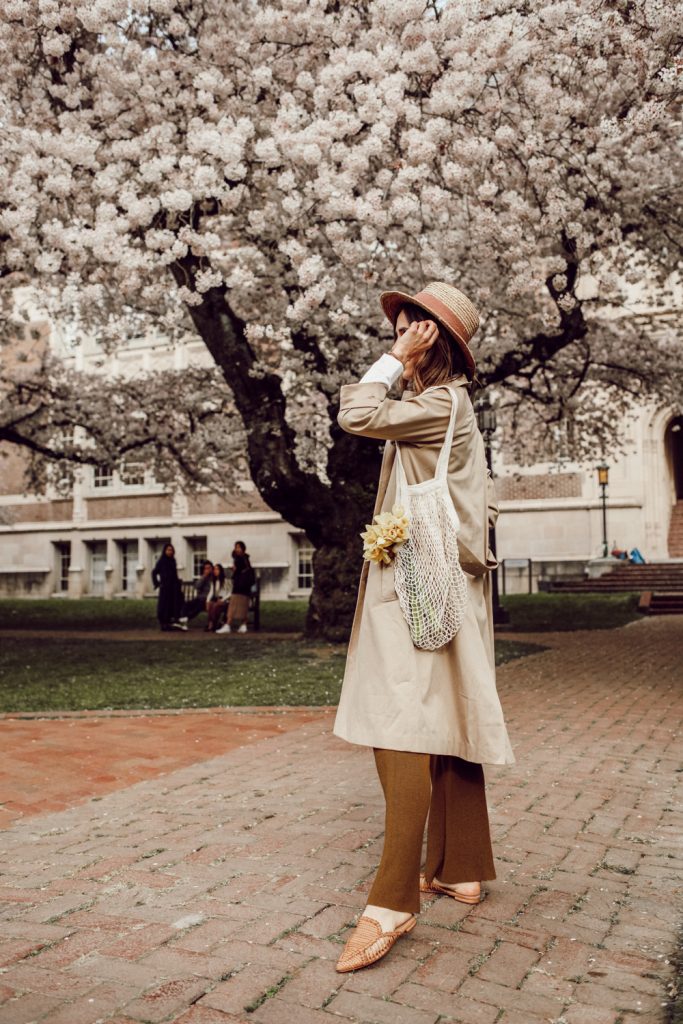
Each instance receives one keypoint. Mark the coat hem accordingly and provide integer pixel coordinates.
(452, 751)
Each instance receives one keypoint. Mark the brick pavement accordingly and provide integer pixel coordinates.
(222, 892)
(53, 760)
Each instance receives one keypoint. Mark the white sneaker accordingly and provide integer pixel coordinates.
(224, 629)
(180, 625)
(183, 620)
(242, 628)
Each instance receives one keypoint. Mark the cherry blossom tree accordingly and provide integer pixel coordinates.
(182, 426)
(257, 172)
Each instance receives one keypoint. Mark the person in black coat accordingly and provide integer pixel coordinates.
(165, 577)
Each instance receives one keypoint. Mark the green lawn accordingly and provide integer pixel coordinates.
(59, 674)
(66, 674)
(550, 612)
(528, 612)
(92, 613)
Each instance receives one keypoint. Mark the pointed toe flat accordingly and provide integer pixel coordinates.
(369, 943)
(450, 890)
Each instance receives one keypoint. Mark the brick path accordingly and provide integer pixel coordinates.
(54, 760)
(221, 892)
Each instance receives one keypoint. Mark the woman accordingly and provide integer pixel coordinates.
(165, 577)
(242, 582)
(217, 598)
(200, 602)
(431, 717)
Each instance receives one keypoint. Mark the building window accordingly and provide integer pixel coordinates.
(563, 434)
(197, 548)
(102, 476)
(129, 560)
(98, 561)
(63, 565)
(132, 473)
(304, 565)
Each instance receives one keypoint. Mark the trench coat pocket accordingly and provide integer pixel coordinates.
(491, 560)
(472, 564)
(387, 587)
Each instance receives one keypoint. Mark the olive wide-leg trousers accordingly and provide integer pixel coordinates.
(452, 792)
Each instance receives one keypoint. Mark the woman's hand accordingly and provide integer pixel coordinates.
(413, 341)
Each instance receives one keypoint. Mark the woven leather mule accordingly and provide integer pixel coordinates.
(453, 892)
(369, 943)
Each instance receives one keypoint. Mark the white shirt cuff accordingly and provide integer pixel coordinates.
(386, 370)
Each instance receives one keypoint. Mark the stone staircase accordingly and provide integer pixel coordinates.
(676, 531)
(660, 585)
(660, 604)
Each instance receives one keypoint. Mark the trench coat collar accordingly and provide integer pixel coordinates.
(456, 382)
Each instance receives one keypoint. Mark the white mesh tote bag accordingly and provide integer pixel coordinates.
(430, 583)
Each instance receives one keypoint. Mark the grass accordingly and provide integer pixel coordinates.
(137, 674)
(559, 612)
(68, 674)
(528, 613)
(58, 674)
(96, 614)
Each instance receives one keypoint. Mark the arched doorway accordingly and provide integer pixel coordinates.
(673, 446)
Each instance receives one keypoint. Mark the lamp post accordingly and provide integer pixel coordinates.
(487, 422)
(603, 479)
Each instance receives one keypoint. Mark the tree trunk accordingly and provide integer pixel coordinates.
(331, 516)
(353, 466)
(336, 572)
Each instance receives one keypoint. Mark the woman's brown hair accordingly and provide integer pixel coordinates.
(440, 362)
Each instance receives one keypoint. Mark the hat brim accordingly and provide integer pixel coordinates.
(392, 302)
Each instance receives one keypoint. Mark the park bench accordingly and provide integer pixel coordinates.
(254, 612)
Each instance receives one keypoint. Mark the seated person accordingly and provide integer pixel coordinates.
(217, 600)
(198, 603)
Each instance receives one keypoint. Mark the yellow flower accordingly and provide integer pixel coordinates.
(379, 555)
(384, 535)
(370, 535)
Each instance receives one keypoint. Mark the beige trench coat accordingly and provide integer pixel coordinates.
(395, 695)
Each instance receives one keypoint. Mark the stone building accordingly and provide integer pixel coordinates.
(104, 536)
(552, 514)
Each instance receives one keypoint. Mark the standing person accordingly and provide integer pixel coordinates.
(165, 577)
(242, 581)
(199, 602)
(217, 599)
(432, 717)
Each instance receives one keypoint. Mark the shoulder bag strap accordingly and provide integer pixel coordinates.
(444, 454)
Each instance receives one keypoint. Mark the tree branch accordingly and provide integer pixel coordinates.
(300, 497)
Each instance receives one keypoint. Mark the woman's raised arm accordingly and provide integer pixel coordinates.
(365, 410)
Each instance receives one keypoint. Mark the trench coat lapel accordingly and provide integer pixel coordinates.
(385, 474)
(388, 460)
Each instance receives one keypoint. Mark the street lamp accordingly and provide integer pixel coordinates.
(487, 423)
(603, 479)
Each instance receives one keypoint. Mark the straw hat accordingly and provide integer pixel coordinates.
(448, 305)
